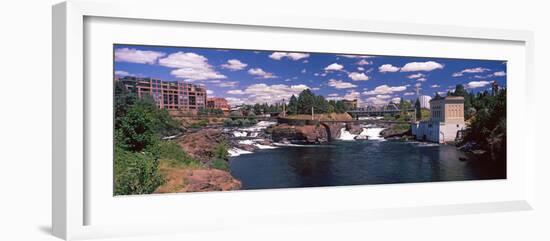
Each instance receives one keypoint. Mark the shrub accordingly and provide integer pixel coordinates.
(136, 172)
(220, 164)
(173, 153)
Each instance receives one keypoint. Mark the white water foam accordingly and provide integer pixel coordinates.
(237, 152)
(346, 135)
(260, 146)
(240, 133)
(372, 133)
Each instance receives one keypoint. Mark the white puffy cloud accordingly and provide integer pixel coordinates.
(228, 84)
(470, 71)
(364, 62)
(376, 101)
(421, 79)
(332, 95)
(435, 86)
(190, 66)
(477, 84)
(209, 92)
(233, 101)
(388, 68)
(385, 89)
(396, 100)
(260, 73)
(352, 56)
(137, 56)
(352, 95)
(416, 76)
(263, 93)
(196, 74)
(421, 66)
(360, 68)
(304, 71)
(338, 84)
(122, 73)
(234, 65)
(293, 56)
(383, 96)
(499, 73)
(358, 76)
(408, 93)
(235, 92)
(334, 67)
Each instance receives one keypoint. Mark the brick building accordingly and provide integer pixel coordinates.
(218, 103)
(171, 95)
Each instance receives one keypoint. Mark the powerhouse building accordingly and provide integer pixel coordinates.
(445, 123)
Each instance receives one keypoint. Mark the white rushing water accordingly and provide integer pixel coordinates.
(240, 133)
(237, 152)
(346, 135)
(373, 133)
(369, 133)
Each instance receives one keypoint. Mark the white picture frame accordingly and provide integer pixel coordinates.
(70, 112)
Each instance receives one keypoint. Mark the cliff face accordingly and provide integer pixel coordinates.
(309, 134)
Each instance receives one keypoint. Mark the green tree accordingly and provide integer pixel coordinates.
(293, 105)
(418, 109)
(136, 129)
(306, 101)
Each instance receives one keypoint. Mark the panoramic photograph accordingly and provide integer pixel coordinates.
(190, 119)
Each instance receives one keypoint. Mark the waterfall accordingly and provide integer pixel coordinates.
(372, 133)
(368, 133)
(346, 135)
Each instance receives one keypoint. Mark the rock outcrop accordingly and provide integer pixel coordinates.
(309, 134)
(200, 145)
(197, 180)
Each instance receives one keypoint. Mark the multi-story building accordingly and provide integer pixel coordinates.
(446, 120)
(350, 104)
(171, 95)
(218, 103)
(424, 101)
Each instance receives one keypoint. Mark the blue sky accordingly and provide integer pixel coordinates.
(249, 76)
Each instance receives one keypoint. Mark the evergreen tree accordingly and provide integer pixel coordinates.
(293, 105)
(418, 110)
(306, 101)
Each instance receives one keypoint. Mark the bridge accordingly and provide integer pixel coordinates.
(371, 111)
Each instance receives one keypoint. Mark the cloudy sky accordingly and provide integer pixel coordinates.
(248, 76)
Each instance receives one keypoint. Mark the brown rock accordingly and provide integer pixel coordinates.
(197, 180)
(201, 144)
(300, 134)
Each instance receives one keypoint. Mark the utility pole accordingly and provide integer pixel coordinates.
(284, 111)
(312, 113)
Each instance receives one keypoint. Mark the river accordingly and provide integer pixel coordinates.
(358, 162)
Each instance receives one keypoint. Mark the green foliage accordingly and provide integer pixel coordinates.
(220, 164)
(210, 112)
(220, 157)
(171, 151)
(139, 124)
(199, 124)
(306, 100)
(220, 151)
(135, 172)
(418, 110)
(135, 131)
(293, 105)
